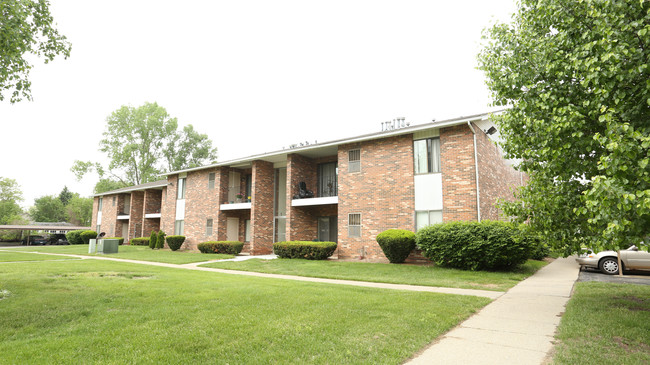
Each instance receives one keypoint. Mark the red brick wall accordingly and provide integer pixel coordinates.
(383, 192)
(93, 220)
(262, 208)
(458, 174)
(201, 203)
(299, 168)
(497, 179)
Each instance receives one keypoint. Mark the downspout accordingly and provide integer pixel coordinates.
(478, 193)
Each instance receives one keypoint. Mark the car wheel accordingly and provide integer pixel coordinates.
(609, 265)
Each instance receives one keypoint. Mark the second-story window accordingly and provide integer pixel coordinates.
(181, 189)
(211, 178)
(327, 179)
(354, 160)
(426, 155)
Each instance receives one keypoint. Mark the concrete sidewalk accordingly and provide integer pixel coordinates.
(517, 328)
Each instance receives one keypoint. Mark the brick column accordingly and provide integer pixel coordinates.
(457, 166)
(301, 224)
(136, 214)
(262, 208)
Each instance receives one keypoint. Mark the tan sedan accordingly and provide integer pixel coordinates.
(607, 261)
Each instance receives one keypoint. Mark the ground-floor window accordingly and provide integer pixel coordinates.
(208, 227)
(425, 218)
(179, 227)
(247, 230)
(354, 225)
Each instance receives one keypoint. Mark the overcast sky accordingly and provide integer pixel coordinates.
(253, 75)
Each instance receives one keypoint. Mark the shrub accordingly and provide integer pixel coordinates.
(397, 244)
(227, 247)
(86, 236)
(160, 241)
(140, 241)
(74, 237)
(121, 239)
(175, 242)
(486, 245)
(153, 238)
(304, 250)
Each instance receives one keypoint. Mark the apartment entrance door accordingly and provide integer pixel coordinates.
(232, 229)
(328, 229)
(125, 231)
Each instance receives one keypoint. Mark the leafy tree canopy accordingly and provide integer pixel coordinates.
(79, 211)
(143, 142)
(575, 76)
(10, 195)
(26, 28)
(48, 208)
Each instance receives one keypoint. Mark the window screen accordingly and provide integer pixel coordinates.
(354, 161)
(354, 225)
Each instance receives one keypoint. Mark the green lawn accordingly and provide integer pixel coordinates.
(19, 256)
(75, 311)
(143, 253)
(605, 323)
(388, 273)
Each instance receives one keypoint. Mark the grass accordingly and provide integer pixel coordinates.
(19, 256)
(388, 273)
(605, 323)
(89, 312)
(143, 253)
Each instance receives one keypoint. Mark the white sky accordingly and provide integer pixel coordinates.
(253, 75)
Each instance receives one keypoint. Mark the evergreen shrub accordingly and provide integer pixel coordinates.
(175, 242)
(397, 244)
(160, 241)
(153, 239)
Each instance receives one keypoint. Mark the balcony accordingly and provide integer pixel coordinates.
(315, 201)
(235, 206)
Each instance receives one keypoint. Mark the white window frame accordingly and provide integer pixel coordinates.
(211, 179)
(180, 193)
(179, 227)
(428, 217)
(433, 167)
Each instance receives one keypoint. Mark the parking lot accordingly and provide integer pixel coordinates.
(630, 277)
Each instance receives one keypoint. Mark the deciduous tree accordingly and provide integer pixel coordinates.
(575, 77)
(10, 196)
(143, 142)
(26, 29)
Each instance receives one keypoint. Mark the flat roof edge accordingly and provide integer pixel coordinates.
(360, 138)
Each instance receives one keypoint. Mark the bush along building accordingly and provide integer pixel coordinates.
(347, 191)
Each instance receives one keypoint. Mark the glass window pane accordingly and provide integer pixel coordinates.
(435, 216)
(435, 155)
(421, 219)
(420, 156)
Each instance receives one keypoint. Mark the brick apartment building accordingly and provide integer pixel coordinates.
(404, 177)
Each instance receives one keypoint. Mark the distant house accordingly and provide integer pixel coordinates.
(405, 177)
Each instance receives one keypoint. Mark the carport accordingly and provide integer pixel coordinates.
(53, 228)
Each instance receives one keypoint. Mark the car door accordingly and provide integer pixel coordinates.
(637, 260)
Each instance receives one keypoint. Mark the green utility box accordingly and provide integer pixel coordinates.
(107, 246)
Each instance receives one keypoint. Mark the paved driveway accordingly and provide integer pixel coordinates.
(630, 277)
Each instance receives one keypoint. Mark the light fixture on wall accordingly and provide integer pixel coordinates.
(491, 131)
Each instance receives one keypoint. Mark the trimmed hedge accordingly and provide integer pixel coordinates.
(226, 247)
(304, 250)
(486, 245)
(397, 244)
(140, 241)
(88, 235)
(74, 237)
(121, 239)
(175, 242)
